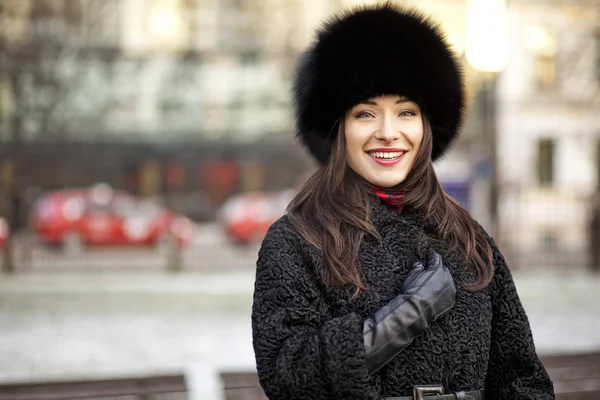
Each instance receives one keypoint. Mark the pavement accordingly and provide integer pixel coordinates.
(96, 325)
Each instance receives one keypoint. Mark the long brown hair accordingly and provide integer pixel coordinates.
(332, 212)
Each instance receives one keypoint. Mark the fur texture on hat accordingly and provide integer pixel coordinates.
(372, 51)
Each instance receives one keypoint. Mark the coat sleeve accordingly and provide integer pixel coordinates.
(515, 371)
(301, 351)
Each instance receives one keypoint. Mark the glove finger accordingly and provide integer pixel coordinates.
(414, 275)
(441, 272)
(433, 259)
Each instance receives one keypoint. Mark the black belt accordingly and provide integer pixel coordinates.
(436, 392)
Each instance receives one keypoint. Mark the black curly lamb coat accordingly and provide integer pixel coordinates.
(308, 339)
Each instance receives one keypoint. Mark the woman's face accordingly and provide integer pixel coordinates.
(383, 136)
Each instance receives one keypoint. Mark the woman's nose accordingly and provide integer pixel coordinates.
(387, 131)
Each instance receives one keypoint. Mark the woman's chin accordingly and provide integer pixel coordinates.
(384, 181)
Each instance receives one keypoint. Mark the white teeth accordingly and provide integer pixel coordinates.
(386, 155)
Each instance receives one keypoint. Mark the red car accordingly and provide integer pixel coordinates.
(247, 217)
(3, 232)
(101, 216)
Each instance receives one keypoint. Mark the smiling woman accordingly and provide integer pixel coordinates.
(376, 283)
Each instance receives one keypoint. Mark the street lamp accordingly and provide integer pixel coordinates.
(486, 50)
(166, 25)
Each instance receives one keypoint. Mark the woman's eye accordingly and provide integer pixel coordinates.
(407, 113)
(364, 114)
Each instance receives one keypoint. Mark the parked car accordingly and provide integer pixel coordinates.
(245, 218)
(3, 232)
(101, 216)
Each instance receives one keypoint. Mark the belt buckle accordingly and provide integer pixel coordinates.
(421, 391)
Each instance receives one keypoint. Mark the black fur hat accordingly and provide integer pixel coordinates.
(372, 51)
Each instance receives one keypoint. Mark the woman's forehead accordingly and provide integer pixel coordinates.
(387, 99)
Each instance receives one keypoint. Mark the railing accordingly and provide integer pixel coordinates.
(213, 253)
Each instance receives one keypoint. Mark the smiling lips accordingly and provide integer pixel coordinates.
(386, 156)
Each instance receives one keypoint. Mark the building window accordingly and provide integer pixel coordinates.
(545, 72)
(541, 42)
(545, 164)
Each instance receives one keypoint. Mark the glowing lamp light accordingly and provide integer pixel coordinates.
(486, 42)
(166, 24)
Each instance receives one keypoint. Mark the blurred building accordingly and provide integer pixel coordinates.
(134, 83)
(119, 86)
(548, 121)
(159, 69)
(153, 69)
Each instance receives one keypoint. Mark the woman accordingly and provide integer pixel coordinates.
(376, 284)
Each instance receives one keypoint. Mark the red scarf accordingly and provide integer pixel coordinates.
(391, 196)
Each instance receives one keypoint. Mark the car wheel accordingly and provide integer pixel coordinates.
(72, 244)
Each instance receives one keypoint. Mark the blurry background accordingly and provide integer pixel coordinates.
(147, 145)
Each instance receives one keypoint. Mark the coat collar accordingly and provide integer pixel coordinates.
(384, 214)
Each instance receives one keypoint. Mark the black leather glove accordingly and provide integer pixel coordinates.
(427, 293)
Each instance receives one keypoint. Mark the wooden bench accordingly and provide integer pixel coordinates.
(575, 377)
(167, 387)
